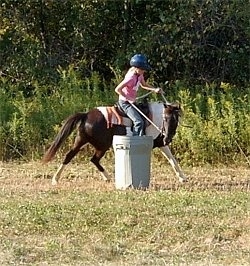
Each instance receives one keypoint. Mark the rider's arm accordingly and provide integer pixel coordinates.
(149, 87)
(120, 86)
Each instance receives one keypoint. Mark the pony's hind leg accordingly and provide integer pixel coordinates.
(96, 161)
(66, 160)
(57, 175)
(79, 143)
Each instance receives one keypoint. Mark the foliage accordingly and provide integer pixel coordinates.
(199, 41)
(218, 123)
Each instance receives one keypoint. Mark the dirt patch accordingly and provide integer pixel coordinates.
(34, 176)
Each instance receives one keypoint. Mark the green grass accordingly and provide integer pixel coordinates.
(82, 224)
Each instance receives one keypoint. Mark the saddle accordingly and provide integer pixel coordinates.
(142, 106)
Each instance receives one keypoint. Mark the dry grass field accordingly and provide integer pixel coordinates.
(85, 221)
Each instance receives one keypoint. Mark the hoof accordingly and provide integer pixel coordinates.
(54, 182)
(183, 180)
(106, 179)
(105, 176)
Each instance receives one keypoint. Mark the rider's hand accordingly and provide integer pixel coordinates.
(158, 90)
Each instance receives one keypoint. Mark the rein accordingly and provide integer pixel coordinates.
(144, 96)
(162, 95)
(164, 98)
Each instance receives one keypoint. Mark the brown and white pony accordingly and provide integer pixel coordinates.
(98, 126)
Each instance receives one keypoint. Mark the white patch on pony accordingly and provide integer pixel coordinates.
(57, 175)
(105, 176)
(156, 110)
(168, 154)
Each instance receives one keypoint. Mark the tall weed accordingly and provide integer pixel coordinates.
(218, 127)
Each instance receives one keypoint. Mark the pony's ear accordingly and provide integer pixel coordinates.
(177, 105)
(166, 105)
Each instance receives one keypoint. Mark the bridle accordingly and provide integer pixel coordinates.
(175, 114)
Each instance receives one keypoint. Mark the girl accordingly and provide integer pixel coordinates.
(127, 91)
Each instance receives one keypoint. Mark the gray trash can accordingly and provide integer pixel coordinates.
(132, 161)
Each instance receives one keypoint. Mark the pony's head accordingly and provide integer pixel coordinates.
(171, 114)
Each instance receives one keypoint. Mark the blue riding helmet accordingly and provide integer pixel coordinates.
(140, 61)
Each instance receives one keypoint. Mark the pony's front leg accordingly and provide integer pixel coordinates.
(168, 154)
(57, 175)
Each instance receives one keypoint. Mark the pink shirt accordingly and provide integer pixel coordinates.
(132, 81)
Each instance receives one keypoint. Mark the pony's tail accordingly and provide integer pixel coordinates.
(67, 128)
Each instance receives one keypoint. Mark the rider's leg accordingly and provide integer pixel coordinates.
(138, 122)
